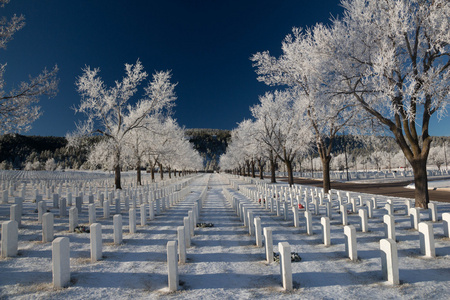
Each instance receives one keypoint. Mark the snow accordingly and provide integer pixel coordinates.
(434, 185)
(223, 261)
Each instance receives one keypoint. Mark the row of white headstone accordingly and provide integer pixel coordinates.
(176, 250)
(388, 246)
(60, 246)
(243, 210)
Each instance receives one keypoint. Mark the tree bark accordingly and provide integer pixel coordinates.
(161, 171)
(272, 169)
(421, 196)
(326, 173)
(138, 173)
(117, 171)
(290, 172)
(261, 170)
(170, 175)
(117, 176)
(152, 172)
(253, 168)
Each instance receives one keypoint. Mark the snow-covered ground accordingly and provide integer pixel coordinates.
(435, 185)
(223, 261)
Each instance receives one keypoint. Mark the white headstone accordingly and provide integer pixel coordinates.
(73, 218)
(91, 213)
(446, 223)
(295, 213)
(426, 237)
(187, 231)
(432, 209)
(364, 225)
(285, 265)
(325, 222)
(47, 227)
(61, 262)
(258, 233)
(350, 242)
(268, 244)
(389, 227)
(96, 241)
(389, 260)
(10, 238)
(343, 209)
(172, 265)
(415, 217)
(308, 217)
(181, 244)
(117, 221)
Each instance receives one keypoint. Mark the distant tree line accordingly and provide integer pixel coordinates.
(42, 152)
(50, 153)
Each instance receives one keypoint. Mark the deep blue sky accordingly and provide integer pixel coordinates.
(206, 44)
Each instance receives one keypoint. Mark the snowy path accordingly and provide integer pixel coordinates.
(223, 257)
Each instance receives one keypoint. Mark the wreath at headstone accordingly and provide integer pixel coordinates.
(82, 229)
(203, 225)
(294, 257)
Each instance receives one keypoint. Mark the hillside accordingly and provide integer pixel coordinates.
(17, 150)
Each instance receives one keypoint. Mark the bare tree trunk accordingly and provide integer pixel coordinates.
(272, 168)
(170, 175)
(138, 173)
(261, 170)
(253, 168)
(152, 172)
(117, 176)
(248, 168)
(161, 171)
(326, 173)
(289, 171)
(117, 171)
(421, 196)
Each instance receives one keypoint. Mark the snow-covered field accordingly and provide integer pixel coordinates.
(223, 261)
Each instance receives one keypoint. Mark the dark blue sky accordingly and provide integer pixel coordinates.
(206, 44)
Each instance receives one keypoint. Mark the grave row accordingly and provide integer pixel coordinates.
(365, 209)
(9, 242)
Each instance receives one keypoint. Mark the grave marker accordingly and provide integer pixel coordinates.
(172, 265)
(325, 221)
(10, 238)
(285, 265)
(96, 241)
(181, 244)
(389, 261)
(117, 221)
(258, 235)
(61, 262)
(350, 242)
(446, 223)
(47, 227)
(426, 237)
(268, 244)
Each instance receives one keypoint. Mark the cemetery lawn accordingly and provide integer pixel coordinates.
(223, 261)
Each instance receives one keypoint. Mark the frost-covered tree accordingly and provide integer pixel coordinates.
(18, 105)
(282, 128)
(110, 112)
(50, 164)
(437, 156)
(393, 58)
(297, 67)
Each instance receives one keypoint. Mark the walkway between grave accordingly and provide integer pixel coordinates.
(224, 256)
